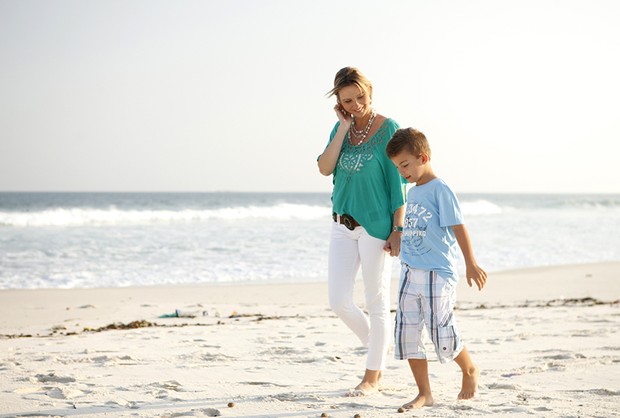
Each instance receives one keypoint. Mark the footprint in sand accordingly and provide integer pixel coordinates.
(168, 385)
(125, 404)
(63, 393)
(51, 377)
(205, 412)
(105, 360)
(292, 397)
(265, 384)
(504, 386)
(542, 409)
(565, 356)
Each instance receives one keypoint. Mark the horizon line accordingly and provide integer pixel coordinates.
(292, 192)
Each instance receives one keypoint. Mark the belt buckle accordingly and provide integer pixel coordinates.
(348, 222)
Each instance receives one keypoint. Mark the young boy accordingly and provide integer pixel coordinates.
(427, 292)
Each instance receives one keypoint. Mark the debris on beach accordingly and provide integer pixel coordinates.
(179, 313)
(119, 325)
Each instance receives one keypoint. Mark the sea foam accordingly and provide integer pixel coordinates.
(480, 207)
(114, 216)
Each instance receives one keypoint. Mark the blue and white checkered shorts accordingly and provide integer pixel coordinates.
(426, 301)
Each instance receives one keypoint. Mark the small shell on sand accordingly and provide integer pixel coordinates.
(401, 409)
(231, 404)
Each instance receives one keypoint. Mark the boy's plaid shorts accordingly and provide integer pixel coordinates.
(426, 301)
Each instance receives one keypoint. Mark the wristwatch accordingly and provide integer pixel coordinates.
(397, 228)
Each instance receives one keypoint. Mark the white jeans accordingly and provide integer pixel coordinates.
(347, 251)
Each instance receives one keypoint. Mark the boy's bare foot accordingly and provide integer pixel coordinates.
(419, 402)
(470, 384)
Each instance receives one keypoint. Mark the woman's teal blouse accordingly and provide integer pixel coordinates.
(367, 185)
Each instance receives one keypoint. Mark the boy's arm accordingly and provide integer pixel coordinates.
(473, 270)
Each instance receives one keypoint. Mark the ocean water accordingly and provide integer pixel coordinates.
(70, 240)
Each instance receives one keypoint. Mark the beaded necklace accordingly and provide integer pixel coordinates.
(360, 136)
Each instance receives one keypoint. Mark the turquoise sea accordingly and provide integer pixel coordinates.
(71, 240)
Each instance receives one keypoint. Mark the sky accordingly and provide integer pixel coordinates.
(515, 96)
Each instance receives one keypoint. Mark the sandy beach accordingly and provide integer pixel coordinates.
(546, 340)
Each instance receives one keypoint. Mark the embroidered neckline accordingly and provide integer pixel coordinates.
(354, 157)
(368, 144)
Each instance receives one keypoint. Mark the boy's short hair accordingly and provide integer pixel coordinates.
(408, 139)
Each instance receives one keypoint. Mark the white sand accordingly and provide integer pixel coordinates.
(284, 353)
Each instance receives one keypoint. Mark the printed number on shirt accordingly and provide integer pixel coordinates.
(419, 212)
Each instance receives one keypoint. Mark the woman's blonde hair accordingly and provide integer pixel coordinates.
(349, 76)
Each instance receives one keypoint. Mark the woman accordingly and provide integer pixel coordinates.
(368, 209)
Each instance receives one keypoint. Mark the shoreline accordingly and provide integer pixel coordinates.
(312, 281)
(31, 311)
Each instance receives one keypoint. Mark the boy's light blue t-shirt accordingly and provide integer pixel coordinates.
(367, 185)
(428, 242)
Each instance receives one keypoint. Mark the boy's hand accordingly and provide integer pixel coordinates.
(392, 245)
(477, 274)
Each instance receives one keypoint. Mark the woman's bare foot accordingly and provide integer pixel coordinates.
(369, 384)
(419, 402)
(470, 384)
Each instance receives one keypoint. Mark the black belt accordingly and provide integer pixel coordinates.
(346, 220)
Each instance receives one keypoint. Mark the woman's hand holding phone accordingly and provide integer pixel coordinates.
(343, 116)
